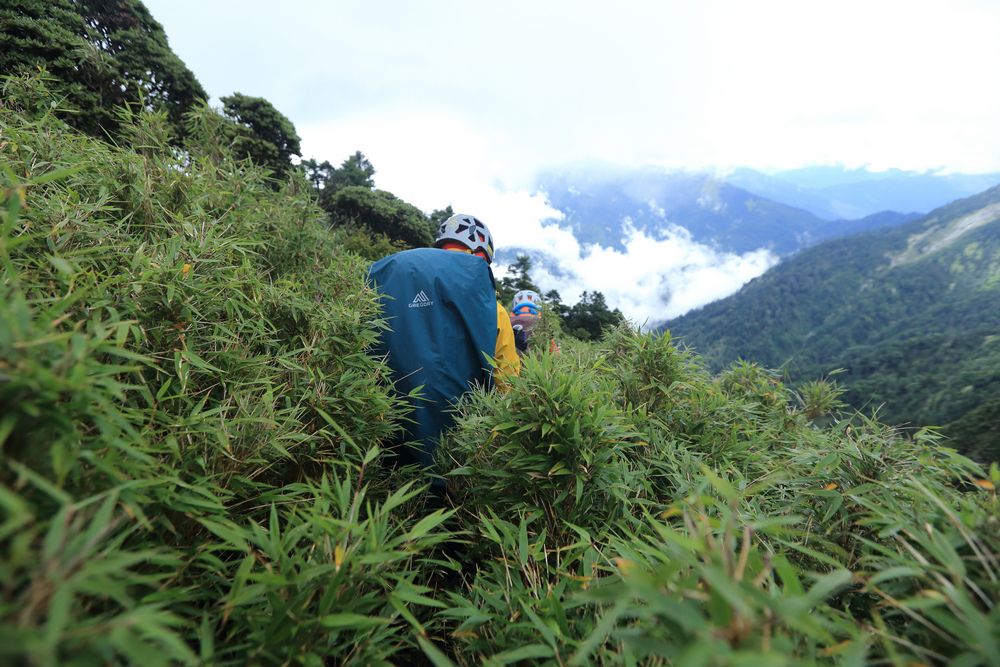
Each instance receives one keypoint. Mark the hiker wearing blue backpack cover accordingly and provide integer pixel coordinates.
(445, 327)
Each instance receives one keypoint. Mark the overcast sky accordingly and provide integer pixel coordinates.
(461, 102)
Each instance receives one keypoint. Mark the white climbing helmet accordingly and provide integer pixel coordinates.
(467, 230)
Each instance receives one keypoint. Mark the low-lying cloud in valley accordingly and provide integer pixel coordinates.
(654, 279)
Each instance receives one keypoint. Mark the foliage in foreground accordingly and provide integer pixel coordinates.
(190, 427)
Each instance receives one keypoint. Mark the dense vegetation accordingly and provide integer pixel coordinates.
(190, 431)
(97, 57)
(588, 319)
(104, 54)
(911, 319)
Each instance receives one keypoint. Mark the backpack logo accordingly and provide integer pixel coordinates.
(421, 300)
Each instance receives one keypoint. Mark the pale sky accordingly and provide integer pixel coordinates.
(461, 102)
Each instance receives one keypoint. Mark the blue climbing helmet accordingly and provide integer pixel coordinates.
(467, 230)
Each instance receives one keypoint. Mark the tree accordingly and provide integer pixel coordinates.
(590, 317)
(439, 216)
(555, 303)
(262, 133)
(518, 280)
(587, 320)
(103, 54)
(327, 180)
(355, 171)
(320, 174)
(381, 212)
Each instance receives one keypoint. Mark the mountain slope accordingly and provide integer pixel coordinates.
(600, 203)
(910, 312)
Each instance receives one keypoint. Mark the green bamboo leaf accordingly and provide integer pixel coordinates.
(836, 502)
(827, 584)
(789, 576)
(7, 425)
(407, 594)
(230, 533)
(401, 607)
(206, 639)
(491, 531)
(544, 630)
(818, 555)
(504, 426)
(352, 621)
(102, 521)
(427, 524)
(60, 264)
(197, 361)
(56, 174)
(433, 653)
(829, 461)
(725, 489)
(862, 489)
(720, 583)
(13, 209)
(16, 513)
(372, 453)
(522, 542)
(894, 573)
(59, 613)
(599, 634)
(120, 353)
(529, 652)
(384, 557)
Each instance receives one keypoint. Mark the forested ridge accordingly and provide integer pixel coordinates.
(909, 313)
(604, 204)
(601, 207)
(192, 435)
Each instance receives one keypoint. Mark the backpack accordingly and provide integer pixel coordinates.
(440, 307)
(520, 339)
(522, 325)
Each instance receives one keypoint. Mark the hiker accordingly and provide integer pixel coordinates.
(524, 315)
(445, 323)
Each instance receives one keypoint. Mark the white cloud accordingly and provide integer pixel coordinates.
(656, 210)
(426, 159)
(456, 102)
(653, 280)
(772, 83)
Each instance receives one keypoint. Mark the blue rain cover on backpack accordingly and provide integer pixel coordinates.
(441, 308)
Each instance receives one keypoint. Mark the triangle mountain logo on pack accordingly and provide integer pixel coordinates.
(421, 300)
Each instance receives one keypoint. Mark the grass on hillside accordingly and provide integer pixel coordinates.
(191, 435)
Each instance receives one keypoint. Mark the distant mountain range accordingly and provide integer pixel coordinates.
(832, 192)
(911, 312)
(745, 210)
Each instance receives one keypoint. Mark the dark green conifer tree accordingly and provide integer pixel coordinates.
(381, 212)
(519, 279)
(327, 180)
(102, 54)
(590, 317)
(262, 133)
(439, 216)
